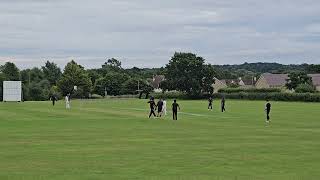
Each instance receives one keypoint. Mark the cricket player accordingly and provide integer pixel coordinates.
(175, 107)
(223, 104)
(152, 107)
(210, 103)
(67, 99)
(53, 98)
(164, 108)
(268, 110)
(160, 106)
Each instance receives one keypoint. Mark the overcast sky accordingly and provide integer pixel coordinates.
(146, 33)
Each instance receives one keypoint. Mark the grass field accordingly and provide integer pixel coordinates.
(114, 139)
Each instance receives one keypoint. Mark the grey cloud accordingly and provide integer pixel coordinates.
(148, 32)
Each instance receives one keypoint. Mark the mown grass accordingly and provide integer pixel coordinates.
(114, 139)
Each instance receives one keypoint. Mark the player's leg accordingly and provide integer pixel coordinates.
(154, 114)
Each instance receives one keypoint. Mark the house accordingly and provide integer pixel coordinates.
(218, 84)
(224, 83)
(315, 80)
(268, 80)
(156, 81)
(247, 82)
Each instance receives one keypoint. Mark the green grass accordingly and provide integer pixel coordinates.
(114, 139)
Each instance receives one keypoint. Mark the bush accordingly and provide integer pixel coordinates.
(305, 88)
(170, 95)
(250, 90)
(275, 96)
(178, 95)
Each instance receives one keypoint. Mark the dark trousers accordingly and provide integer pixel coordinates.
(210, 106)
(53, 103)
(175, 114)
(223, 109)
(268, 115)
(152, 113)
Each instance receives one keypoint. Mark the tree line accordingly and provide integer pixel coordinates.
(41, 83)
(185, 72)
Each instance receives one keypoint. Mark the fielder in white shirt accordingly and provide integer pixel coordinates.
(67, 102)
(164, 107)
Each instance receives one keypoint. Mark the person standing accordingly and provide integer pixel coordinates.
(53, 98)
(160, 106)
(223, 104)
(152, 107)
(268, 110)
(210, 100)
(164, 108)
(175, 107)
(67, 99)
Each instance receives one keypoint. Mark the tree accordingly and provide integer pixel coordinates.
(112, 65)
(38, 91)
(305, 88)
(297, 78)
(51, 72)
(314, 68)
(131, 86)
(2, 78)
(112, 82)
(188, 73)
(75, 75)
(209, 74)
(10, 72)
(94, 75)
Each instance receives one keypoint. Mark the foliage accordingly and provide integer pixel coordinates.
(10, 72)
(37, 91)
(275, 96)
(112, 65)
(305, 88)
(75, 75)
(313, 68)
(186, 72)
(51, 72)
(131, 86)
(296, 78)
(249, 90)
(112, 82)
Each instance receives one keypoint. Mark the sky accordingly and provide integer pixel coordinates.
(146, 33)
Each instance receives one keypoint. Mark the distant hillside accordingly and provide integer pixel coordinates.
(255, 69)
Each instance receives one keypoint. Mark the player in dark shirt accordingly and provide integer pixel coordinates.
(53, 99)
(268, 110)
(223, 104)
(210, 103)
(175, 107)
(152, 107)
(160, 106)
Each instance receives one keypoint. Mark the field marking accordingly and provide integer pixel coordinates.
(186, 113)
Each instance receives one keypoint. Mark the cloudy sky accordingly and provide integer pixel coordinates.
(146, 33)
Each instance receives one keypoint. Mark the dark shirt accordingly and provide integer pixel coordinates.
(160, 104)
(223, 101)
(175, 106)
(152, 104)
(268, 106)
(53, 98)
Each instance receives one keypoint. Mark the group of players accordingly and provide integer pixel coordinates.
(161, 108)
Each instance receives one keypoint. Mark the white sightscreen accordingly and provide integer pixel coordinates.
(12, 91)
